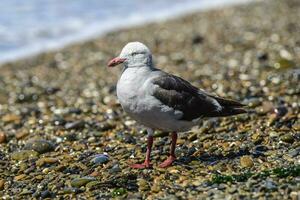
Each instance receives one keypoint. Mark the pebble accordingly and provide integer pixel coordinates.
(295, 152)
(246, 161)
(143, 185)
(40, 146)
(78, 182)
(20, 177)
(93, 184)
(75, 125)
(288, 138)
(2, 137)
(24, 154)
(2, 182)
(21, 134)
(11, 118)
(100, 159)
(43, 161)
(46, 194)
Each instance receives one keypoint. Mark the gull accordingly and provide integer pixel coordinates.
(162, 101)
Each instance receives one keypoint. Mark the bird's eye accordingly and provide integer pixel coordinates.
(134, 53)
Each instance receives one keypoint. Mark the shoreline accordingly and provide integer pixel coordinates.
(96, 33)
(63, 133)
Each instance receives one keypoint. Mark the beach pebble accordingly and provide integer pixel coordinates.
(78, 182)
(2, 137)
(288, 138)
(45, 160)
(75, 125)
(40, 146)
(2, 182)
(24, 154)
(246, 161)
(100, 159)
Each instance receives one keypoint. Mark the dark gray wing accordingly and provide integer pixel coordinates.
(179, 94)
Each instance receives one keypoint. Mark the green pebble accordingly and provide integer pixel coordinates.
(78, 182)
(24, 154)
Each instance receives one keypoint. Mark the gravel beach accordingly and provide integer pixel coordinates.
(64, 135)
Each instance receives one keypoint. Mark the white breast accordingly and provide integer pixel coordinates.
(134, 91)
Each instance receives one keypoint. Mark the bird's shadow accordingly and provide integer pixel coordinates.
(214, 158)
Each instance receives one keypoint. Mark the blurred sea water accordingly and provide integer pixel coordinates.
(33, 26)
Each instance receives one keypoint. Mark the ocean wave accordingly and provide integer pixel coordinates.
(37, 27)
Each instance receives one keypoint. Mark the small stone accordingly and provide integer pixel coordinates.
(294, 152)
(11, 118)
(281, 111)
(24, 154)
(78, 182)
(71, 191)
(70, 137)
(246, 161)
(284, 64)
(232, 190)
(75, 125)
(97, 133)
(100, 159)
(20, 177)
(2, 137)
(76, 111)
(40, 146)
(143, 185)
(192, 137)
(2, 182)
(45, 194)
(119, 192)
(92, 184)
(288, 138)
(21, 134)
(43, 161)
(95, 174)
(197, 39)
(116, 168)
(262, 56)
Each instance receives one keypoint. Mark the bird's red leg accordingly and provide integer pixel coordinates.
(172, 156)
(146, 163)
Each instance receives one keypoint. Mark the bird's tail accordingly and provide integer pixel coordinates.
(229, 107)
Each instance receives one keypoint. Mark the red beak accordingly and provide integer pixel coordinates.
(115, 61)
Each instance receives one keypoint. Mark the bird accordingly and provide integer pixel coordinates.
(162, 101)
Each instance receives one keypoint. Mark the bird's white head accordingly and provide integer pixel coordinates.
(134, 54)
